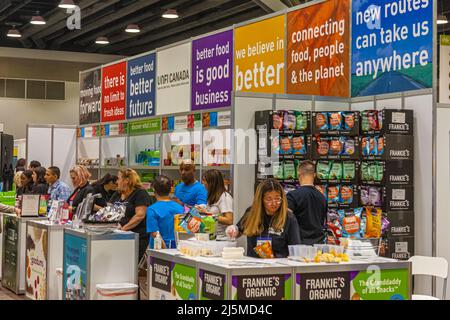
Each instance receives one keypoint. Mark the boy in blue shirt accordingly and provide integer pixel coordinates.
(160, 215)
(190, 192)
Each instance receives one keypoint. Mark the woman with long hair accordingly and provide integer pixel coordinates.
(136, 200)
(40, 185)
(80, 180)
(26, 183)
(268, 220)
(219, 201)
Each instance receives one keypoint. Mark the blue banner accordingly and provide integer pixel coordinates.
(392, 46)
(141, 87)
(75, 263)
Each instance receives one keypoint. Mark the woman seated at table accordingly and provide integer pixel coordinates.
(268, 221)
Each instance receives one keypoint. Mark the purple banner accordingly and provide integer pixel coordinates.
(212, 69)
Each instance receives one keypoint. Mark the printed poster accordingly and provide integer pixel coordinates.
(392, 46)
(212, 68)
(74, 268)
(114, 93)
(319, 50)
(90, 96)
(259, 56)
(36, 263)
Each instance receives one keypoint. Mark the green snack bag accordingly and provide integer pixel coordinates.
(210, 227)
(365, 121)
(373, 169)
(349, 170)
(289, 170)
(302, 120)
(365, 172)
(379, 172)
(336, 171)
(278, 170)
(323, 169)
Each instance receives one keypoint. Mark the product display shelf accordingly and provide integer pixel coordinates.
(173, 276)
(145, 167)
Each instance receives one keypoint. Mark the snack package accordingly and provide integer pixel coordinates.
(351, 223)
(384, 225)
(336, 171)
(332, 215)
(264, 250)
(335, 228)
(379, 174)
(365, 121)
(372, 118)
(366, 172)
(364, 196)
(277, 170)
(373, 222)
(365, 146)
(276, 145)
(323, 146)
(336, 146)
(346, 195)
(323, 190)
(289, 170)
(375, 196)
(362, 230)
(349, 120)
(323, 169)
(373, 150)
(289, 120)
(373, 171)
(348, 170)
(298, 145)
(380, 146)
(302, 121)
(349, 146)
(288, 187)
(286, 145)
(335, 121)
(380, 120)
(333, 194)
(191, 220)
(321, 121)
(277, 119)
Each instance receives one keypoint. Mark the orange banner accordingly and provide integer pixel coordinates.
(319, 49)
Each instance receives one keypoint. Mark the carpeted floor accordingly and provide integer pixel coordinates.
(5, 294)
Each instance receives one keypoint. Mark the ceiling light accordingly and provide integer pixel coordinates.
(102, 40)
(170, 14)
(67, 4)
(14, 33)
(442, 19)
(38, 20)
(133, 28)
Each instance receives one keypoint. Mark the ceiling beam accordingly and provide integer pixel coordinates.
(119, 14)
(13, 10)
(5, 5)
(271, 5)
(211, 18)
(161, 22)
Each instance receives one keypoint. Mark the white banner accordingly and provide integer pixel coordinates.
(444, 67)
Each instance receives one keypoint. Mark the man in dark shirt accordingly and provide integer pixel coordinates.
(309, 206)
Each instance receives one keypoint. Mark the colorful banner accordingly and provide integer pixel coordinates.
(74, 266)
(392, 46)
(184, 282)
(319, 50)
(212, 68)
(141, 87)
(114, 129)
(444, 69)
(10, 252)
(174, 79)
(213, 285)
(90, 96)
(36, 263)
(145, 126)
(262, 287)
(114, 84)
(259, 54)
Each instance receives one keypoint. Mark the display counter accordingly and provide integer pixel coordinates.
(172, 275)
(44, 255)
(13, 257)
(90, 259)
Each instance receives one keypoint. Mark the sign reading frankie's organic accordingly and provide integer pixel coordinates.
(262, 287)
(90, 96)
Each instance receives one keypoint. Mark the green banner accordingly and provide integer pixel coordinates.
(184, 281)
(145, 126)
(379, 284)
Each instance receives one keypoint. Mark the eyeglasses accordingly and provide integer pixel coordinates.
(274, 201)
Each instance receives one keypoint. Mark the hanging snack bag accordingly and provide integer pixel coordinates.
(379, 173)
(323, 190)
(346, 195)
(301, 121)
(277, 168)
(366, 172)
(349, 120)
(372, 118)
(364, 195)
(365, 121)
(289, 120)
(373, 151)
(276, 145)
(380, 146)
(349, 146)
(321, 121)
(375, 196)
(336, 146)
(384, 225)
(380, 120)
(373, 222)
(351, 223)
(191, 220)
(348, 170)
(289, 170)
(264, 250)
(323, 169)
(298, 145)
(333, 194)
(323, 146)
(277, 119)
(362, 229)
(365, 146)
(335, 119)
(336, 171)
(286, 145)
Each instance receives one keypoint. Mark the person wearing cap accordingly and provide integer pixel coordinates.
(190, 192)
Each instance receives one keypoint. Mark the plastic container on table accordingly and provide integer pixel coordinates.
(117, 291)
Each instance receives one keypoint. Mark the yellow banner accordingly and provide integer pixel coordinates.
(259, 54)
